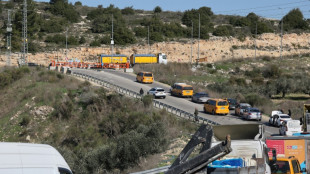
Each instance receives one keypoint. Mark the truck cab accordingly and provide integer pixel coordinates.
(287, 165)
(162, 58)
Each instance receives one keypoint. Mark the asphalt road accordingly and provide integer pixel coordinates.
(128, 80)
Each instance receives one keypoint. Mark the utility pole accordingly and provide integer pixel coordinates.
(9, 35)
(112, 42)
(23, 59)
(192, 43)
(281, 37)
(67, 44)
(255, 40)
(198, 38)
(148, 38)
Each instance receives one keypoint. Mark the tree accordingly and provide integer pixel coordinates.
(128, 11)
(284, 85)
(223, 30)
(61, 7)
(157, 9)
(294, 20)
(78, 3)
(82, 40)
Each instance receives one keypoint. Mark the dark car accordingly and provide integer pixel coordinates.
(232, 103)
(200, 97)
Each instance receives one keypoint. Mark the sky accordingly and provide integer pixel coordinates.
(274, 9)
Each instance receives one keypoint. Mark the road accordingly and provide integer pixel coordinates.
(128, 80)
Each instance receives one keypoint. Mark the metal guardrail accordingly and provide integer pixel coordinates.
(156, 103)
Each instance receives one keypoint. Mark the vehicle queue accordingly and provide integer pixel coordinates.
(216, 106)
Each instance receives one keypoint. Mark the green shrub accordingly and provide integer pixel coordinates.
(128, 11)
(258, 80)
(271, 71)
(25, 121)
(147, 100)
(256, 100)
(254, 73)
(95, 43)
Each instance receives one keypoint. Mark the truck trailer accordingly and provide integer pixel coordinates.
(148, 58)
(115, 58)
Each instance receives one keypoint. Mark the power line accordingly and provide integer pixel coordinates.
(276, 5)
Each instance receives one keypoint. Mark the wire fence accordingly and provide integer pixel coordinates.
(176, 111)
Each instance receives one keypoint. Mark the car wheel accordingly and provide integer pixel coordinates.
(164, 97)
(155, 96)
(213, 113)
(204, 110)
(260, 119)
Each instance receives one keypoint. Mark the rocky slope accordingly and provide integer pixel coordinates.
(214, 49)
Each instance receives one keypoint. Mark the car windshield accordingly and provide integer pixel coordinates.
(160, 90)
(254, 110)
(285, 116)
(188, 88)
(148, 75)
(232, 101)
(244, 106)
(222, 103)
(203, 95)
(284, 167)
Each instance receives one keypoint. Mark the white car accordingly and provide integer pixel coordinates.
(277, 119)
(290, 127)
(157, 92)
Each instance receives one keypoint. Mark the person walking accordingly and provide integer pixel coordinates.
(141, 92)
(196, 115)
(289, 112)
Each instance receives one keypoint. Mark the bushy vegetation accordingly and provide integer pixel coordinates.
(294, 20)
(97, 131)
(102, 23)
(191, 17)
(46, 19)
(8, 76)
(63, 8)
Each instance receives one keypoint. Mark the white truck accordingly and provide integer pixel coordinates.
(26, 158)
(249, 151)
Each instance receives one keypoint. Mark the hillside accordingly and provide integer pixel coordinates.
(94, 129)
(223, 37)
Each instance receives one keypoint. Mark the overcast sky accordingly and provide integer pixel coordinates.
(265, 8)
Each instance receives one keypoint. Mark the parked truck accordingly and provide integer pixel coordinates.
(246, 154)
(116, 58)
(148, 58)
(292, 147)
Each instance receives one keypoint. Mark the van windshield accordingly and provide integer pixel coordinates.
(222, 103)
(284, 167)
(188, 88)
(148, 75)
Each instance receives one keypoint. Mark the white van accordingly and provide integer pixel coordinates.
(290, 127)
(24, 158)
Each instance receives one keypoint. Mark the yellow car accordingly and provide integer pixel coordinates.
(216, 106)
(182, 90)
(145, 77)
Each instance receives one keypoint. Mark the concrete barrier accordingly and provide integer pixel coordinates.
(58, 68)
(64, 70)
(128, 70)
(52, 67)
